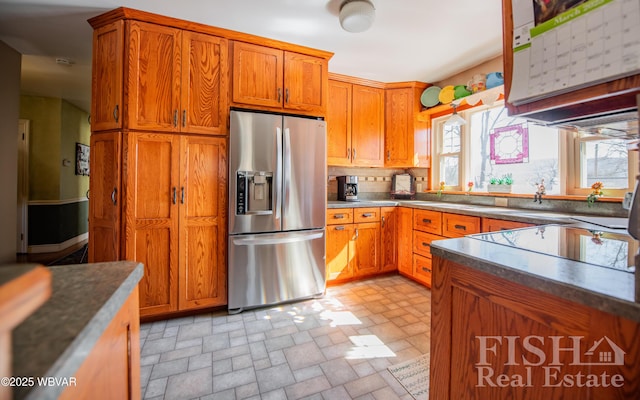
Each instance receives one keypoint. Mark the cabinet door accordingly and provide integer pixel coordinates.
(366, 258)
(203, 203)
(204, 89)
(339, 124)
(405, 138)
(104, 197)
(455, 225)
(257, 75)
(340, 249)
(106, 84)
(153, 79)
(151, 217)
(405, 240)
(305, 83)
(367, 126)
(389, 238)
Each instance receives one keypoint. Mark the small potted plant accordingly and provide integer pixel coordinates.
(500, 185)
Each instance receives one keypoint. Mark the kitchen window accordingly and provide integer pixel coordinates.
(479, 157)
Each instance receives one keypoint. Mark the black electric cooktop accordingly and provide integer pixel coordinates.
(592, 246)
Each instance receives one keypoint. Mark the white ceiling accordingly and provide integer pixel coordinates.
(424, 40)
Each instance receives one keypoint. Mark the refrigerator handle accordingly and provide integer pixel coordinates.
(278, 174)
(286, 176)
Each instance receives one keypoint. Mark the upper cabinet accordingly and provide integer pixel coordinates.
(584, 59)
(278, 79)
(405, 137)
(170, 79)
(355, 123)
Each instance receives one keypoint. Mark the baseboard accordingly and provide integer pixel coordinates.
(54, 248)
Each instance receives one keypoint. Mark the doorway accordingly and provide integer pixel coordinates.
(23, 187)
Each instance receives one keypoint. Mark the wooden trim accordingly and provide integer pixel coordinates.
(132, 14)
(355, 80)
(409, 84)
(604, 199)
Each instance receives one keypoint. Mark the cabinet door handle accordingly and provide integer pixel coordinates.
(426, 220)
(184, 118)
(338, 216)
(388, 155)
(286, 95)
(354, 154)
(279, 95)
(425, 244)
(357, 234)
(174, 195)
(461, 227)
(382, 224)
(339, 228)
(114, 193)
(348, 153)
(367, 215)
(116, 114)
(182, 195)
(425, 269)
(175, 118)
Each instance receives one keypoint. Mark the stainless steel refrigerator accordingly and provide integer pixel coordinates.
(277, 206)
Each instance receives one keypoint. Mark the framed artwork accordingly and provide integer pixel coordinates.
(82, 159)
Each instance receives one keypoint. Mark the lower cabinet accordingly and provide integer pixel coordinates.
(112, 369)
(493, 225)
(175, 224)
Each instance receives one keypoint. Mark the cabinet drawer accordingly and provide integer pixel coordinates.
(336, 216)
(368, 214)
(428, 221)
(455, 225)
(493, 225)
(422, 269)
(422, 242)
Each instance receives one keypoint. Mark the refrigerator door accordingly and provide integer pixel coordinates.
(304, 173)
(255, 177)
(275, 267)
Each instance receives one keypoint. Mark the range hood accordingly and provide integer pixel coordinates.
(620, 125)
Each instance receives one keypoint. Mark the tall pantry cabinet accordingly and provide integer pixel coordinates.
(158, 188)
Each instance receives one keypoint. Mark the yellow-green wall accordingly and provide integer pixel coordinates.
(75, 129)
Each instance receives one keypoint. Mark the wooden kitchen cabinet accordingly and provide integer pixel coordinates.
(355, 123)
(406, 141)
(493, 225)
(389, 238)
(366, 258)
(279, 79)
(339, 216)
(175, 220)
(173, 80)
(340, 251)
(428, 221)
(405, 240)
(105, 197)
(456, 225)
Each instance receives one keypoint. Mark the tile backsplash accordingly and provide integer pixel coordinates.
(373, 183)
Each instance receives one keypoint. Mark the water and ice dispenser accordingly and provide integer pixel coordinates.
(254, 192)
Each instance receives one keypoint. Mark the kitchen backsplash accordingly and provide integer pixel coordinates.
(373, 183)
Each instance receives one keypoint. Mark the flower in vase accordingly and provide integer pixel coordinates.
(596, 191)
(469, 186)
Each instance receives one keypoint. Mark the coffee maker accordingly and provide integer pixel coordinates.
(347, 188)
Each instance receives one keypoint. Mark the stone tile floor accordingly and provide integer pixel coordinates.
(336, 347)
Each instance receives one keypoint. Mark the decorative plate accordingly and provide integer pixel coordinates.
(446, 95)
(429, 97)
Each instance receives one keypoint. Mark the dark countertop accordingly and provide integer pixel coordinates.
(55, 340)
(605, 289)
(510, 214)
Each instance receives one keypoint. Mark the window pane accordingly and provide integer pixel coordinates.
(449, 170)
(541, 161)
(450, 139)
(605, 161)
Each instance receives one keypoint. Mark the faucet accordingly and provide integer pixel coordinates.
(539, 192)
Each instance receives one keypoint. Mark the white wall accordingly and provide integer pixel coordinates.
(9, 114)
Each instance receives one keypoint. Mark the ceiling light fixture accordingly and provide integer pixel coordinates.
(455, 119)
(357, 15)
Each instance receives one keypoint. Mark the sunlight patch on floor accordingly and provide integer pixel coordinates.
(368, 346)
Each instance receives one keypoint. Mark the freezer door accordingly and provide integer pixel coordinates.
(274, 268)
(304, 173)
(255, 177)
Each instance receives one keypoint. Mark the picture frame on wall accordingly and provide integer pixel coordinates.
(82, 159)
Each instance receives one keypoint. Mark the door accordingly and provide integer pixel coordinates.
(304, 82)
(304, 178)
(153, 80)
(340, 251)
(272, 268)
(366, 257)
(151, 216)
(104, 197)
(204, 89)
(202, 210)
(258, 74)
(107, 69)
(367, 126)
(255, 145)
(339, 124)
